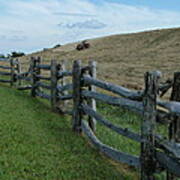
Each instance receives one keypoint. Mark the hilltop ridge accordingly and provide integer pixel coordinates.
(123, 59)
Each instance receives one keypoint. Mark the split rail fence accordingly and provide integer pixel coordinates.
(157, 153)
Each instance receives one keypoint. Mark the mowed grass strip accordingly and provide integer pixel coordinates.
(36, 143)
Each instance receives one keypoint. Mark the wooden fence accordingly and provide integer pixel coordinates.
(157, 154)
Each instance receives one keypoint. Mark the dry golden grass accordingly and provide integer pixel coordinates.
(123, 59)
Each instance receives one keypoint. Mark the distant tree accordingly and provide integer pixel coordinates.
(2, 56)
(57, 46)
(16, 54)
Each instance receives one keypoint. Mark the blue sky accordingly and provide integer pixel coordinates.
(158, 4)
(32, 25)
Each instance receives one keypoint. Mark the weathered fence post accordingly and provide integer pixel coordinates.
(77, 114)
(148, 161)
(92, 103)
(63, 79)
(62, 82)
(35, 71)
(174, 127)
(18, 69)
(12, 71)
(54, 80)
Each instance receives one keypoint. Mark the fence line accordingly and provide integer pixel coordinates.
(157, 153)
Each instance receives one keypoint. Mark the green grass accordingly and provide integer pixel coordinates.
(131, 121)
(121, 118)
(38, 144)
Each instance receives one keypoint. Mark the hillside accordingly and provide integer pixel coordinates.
(123, 59)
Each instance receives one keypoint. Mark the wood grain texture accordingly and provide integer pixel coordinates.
(63, 103)
(77, 114)
(5, 73)
(148, 161)
(43, 85)
(134, 106)
(43, 77)
(12, 72)
(5, 67)
(109, 151)
(44, 66)
(43, 95)
(64, 73)
(66, 87)
(122, 131)
(92, 102)
(25, 88)
(35, 71)
(124, 92)
(54, 92)
(5, 81)
(169, 163)
(174, 127)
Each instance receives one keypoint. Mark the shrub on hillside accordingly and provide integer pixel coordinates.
(16, 54)
(2, 56)
(57, 46)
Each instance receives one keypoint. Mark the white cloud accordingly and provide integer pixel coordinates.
(88, 24)
(31, 25)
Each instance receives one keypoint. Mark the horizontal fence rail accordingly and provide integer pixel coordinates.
(65, 97)
(43, 85)
(109, 151)
(123, 131)
(43, 95)
(124, 92)
(169, 163)
(25, 87)
(64, 73)
(13, 67)
(5, 67)
(172, 107)
(44, 66)
(134, 106)
(65, 87)
(5, 81)
(43, 77)
(5, 73)
(4, 59)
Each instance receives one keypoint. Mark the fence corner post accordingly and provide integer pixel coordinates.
(92, 103)
(174, 127)
(77, 114)
(54, 79)
(148, 161)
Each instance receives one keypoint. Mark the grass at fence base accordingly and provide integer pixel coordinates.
(38, 144)
(126, 119)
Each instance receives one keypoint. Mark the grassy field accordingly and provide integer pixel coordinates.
(38, 144)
